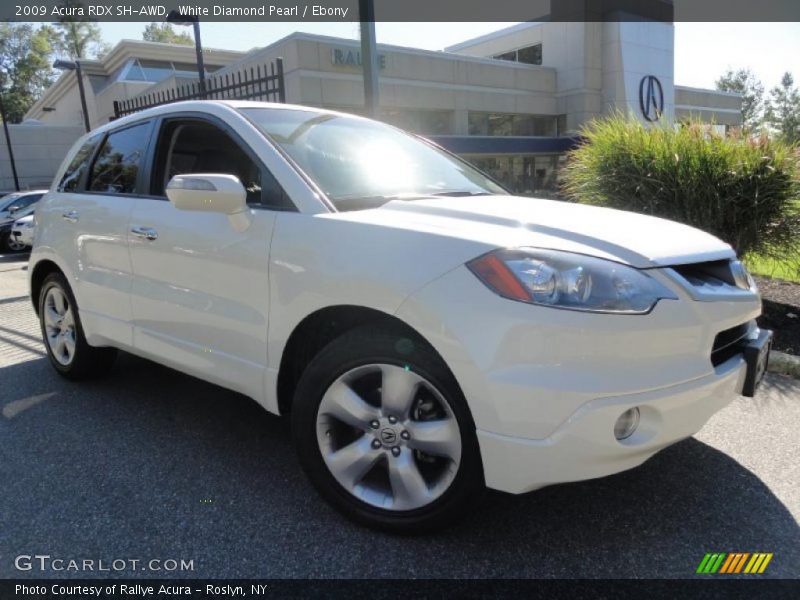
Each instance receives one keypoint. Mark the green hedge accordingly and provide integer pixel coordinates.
(742, 190)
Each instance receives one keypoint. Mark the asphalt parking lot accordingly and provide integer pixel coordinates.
(150, 463)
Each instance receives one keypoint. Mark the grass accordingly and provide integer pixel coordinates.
(788, 269)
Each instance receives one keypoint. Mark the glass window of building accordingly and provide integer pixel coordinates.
(140, 69)
(424, 122)
(510, 56)
(530, 55)
(501, 124)
(533, 175)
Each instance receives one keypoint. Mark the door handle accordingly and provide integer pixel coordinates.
(147, 233)
(71, 216)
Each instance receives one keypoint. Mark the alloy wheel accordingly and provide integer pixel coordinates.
(14, 245)
(389, 437)
(59, 323)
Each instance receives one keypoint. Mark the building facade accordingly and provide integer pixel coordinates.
(511, 102)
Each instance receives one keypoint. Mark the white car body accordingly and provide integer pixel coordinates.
(544, 386)
(23, 230)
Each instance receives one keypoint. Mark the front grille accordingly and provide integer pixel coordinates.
(715, 273)
(726, 344)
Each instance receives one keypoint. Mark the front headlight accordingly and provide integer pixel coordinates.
(571, 281)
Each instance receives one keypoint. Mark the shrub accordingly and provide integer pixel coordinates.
(745, 191)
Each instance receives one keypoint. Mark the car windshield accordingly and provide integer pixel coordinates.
(7, 201)
(360, 163)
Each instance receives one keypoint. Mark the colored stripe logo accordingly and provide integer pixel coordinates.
(734, 562)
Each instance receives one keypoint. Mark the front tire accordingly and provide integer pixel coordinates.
(62, 333)
(10, 244)
(384, 433)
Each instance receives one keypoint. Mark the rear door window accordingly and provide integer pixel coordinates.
(116, 166)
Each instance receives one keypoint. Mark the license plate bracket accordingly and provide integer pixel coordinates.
(756, 357)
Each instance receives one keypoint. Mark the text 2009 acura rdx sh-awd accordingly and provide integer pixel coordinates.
(428, 333)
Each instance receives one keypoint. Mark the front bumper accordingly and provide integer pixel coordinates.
(584, 446)
(546, 386)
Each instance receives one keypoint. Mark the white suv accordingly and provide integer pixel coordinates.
(429, 334)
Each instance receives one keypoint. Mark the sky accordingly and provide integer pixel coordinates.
(703, 51)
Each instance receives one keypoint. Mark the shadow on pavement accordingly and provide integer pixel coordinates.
(151, 463)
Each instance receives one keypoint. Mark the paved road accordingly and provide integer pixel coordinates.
(150, 463)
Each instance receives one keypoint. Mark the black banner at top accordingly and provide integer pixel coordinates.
(404, 10)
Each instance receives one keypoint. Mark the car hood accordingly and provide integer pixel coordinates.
(510, 221)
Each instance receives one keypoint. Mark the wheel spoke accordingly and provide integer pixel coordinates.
(60, 346)
(51, 317)
(398, 390)
(351, 463)
(341, 402)
(59, 302)
(409, 489)
(440, 437)
(68, 321)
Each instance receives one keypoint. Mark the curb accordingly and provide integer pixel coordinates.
(784, 364)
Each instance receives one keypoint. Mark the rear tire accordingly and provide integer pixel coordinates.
(384, 433)
(62, 333)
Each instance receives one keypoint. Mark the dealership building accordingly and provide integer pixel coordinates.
(511, 101)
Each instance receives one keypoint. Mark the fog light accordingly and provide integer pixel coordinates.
(627, 424)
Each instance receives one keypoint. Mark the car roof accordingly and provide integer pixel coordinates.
(22, 193)
(218, 107)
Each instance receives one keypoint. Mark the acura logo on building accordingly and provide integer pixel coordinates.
(651, 98)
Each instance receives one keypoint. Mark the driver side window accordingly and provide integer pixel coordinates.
(195, 146)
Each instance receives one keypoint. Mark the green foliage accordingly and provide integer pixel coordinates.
(165, 33)
(740, 189)
(79, 38)
(783, 112)
(25, 72)
(744, 82)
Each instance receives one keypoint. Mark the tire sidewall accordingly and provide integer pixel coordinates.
(359, 348)
(56, 280)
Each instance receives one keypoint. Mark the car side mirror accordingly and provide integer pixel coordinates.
(13, 209)
(211, 192)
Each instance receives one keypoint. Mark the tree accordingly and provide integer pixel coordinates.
(744, 82)
(164, 32)
(783, 111)
(25, 57)
(81, 39)
(78, 38)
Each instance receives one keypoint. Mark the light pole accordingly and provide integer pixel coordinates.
(75, 65)
(175, 17)
(8, 139)
(369, 55)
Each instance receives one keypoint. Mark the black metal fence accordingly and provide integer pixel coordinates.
(261, 82)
